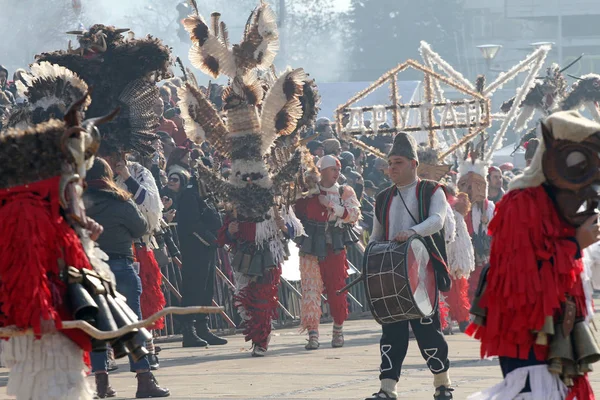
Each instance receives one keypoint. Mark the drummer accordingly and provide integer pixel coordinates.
(398, 210)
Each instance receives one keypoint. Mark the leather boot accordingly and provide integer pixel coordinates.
(190, 337)
(103, 388)
(205, 334)
(148, 387)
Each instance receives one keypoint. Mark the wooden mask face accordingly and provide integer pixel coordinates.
(474, 185)
(572, 169)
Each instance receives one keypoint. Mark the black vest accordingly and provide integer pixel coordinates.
(425, 190)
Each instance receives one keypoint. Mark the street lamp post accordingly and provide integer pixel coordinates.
(489, 52)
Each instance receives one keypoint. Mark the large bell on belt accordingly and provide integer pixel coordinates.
(586, 348)
(122, 319)
(561, 353)
(105, 322)
(82, 305)
(136, 344)
(256, 264)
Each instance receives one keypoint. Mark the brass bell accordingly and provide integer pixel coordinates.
(560, 355)
(585, 345)
(547, 329)
(570, 372)
(585, 368)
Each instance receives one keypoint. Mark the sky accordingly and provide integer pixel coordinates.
(342, 5)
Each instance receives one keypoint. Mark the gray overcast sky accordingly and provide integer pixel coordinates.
(343, 4)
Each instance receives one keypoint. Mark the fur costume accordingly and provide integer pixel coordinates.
(124, 74)
(44, 226)
(536, 290)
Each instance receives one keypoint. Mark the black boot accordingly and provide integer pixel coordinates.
(103, 388)
(148, 387)
(190, 338)
(205, 334)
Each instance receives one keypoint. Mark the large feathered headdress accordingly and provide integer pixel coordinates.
(255, 117)
(50, 90)
(123, 73)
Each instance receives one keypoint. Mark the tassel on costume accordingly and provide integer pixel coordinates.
(458, 300)
(257, 304)
(36, 238)
(152, 299)
(312, 287)
(532, 269)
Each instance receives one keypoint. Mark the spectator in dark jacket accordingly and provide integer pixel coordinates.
(198, 223)
(123, 222)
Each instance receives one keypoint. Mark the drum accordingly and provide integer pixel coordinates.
(400, 280)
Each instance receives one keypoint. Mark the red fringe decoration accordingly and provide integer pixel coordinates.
(152, 299)
(458, 300)
(443, 311)
(259, 300)
(533, 268)
(34, 237)
(87, 360)
(581, 390)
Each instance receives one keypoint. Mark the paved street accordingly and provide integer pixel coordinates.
(290, 372)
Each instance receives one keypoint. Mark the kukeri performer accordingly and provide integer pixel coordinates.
(46, 235)
(124, 74)
(532, 309)
(412, 206)
(461, 259)
(328, 217)
(255, 119)
(472, 173)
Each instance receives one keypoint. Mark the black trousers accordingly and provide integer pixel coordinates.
(198, 279)
(394, 345)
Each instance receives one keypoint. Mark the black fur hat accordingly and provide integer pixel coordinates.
(405, 146)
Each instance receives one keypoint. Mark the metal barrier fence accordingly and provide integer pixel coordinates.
(289, 296)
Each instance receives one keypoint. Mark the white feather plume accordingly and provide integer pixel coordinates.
(276, 101)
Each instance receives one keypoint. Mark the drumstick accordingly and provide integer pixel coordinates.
(13, 331)
(351, 284)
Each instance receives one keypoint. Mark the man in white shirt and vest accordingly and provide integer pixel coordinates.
(412, 206)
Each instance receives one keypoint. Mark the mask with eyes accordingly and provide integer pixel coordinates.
(572, 170)
(474, 185)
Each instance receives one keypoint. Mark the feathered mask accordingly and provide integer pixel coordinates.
(50, 90)
(124, 73)
(255, 118)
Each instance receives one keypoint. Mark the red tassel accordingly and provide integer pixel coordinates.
(581, 390)
(34, 238)
(458, 300)
(533, 268)
(259, 300)
(152, 299)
